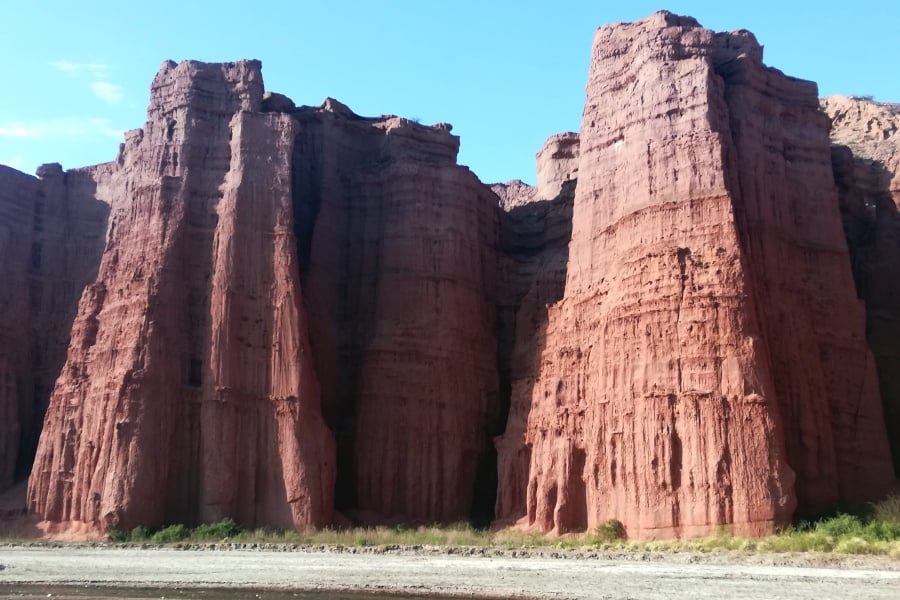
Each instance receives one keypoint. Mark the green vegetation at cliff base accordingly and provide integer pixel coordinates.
(877, 533)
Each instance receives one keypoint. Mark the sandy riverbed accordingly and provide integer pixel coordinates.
(28, 570)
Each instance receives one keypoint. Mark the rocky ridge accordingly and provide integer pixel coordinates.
(302, 316)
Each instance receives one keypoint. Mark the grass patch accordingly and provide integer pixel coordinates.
(888, 510)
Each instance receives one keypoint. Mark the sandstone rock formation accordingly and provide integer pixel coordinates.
(535, 233)
(189, 392)
(870, 130)
(296, 316)
(679, 380)
(557, 164)
(833, 397)
(866, 160)
(51, 236)
(192, 390)
(398, 268)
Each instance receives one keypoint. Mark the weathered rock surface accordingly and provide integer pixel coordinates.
(19, 194)
(535, 233)
(667, 394)
(557, 164)
(825, 377)
(866, 160)
(189, 393)
(872, 132)
(301, 316)
(51, 236)
(399, 271)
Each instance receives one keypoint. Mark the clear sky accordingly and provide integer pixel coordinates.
(506, 74)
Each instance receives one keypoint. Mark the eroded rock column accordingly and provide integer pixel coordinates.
(188, 394)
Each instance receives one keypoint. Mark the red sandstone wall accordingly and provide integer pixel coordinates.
(401, 295)
(188, 393)
(866, 160)
(666, 325)
(814, 325)
(51, 237)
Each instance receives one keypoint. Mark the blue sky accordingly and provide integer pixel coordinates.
(505, 74)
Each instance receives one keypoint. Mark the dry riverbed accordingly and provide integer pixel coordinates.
(152, 572)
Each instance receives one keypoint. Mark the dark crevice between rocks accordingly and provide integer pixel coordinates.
(573, 514)
(307, 194)
(334, 365)
(532, 264)
(484, 498)
(47, 352)
(872, 228)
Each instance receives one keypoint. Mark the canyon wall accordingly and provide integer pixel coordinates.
(399, 263)
(825, 377)
(51, 237)
(189, 392)
(535, 233)
(298, 316)
(668, 394)
(866, 161)
(192, 388)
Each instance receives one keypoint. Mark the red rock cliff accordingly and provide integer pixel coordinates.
(534, 243)
(663, 331)
(399, 272)
(866, 159)
(51, 236)
(189, 393)
(814, 325)
(667, 395)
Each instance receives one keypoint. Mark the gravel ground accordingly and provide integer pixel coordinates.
(33, 571)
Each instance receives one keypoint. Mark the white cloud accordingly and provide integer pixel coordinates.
(76, 69)
(97, 74)
(108, 92)
(66, 127)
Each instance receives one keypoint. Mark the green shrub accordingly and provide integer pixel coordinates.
(610, 531)
(225, 528)
(855, 545)
(118, 535)
(171, 534)
(361, 540)
(841, 526)
(886, 531)
(140, 534)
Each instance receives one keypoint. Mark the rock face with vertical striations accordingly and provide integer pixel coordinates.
(192, 388)
(189, 392)
(534, 244)
(667, 394)
(866, 159)
(813, 323)
(296, 316)
(51, 236)
(399, 270)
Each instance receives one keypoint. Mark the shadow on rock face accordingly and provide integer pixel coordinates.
(872, 226)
